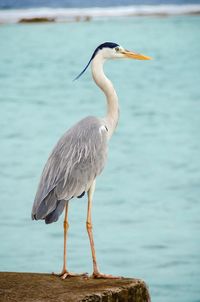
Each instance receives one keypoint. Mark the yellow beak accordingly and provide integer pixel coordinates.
(136, 56)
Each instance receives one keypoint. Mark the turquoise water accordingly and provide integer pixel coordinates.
(146, 206)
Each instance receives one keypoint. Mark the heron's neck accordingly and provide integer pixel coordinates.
(105, 84)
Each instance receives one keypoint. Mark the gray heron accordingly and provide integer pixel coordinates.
(80, 156)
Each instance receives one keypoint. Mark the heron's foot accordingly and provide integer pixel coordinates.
(65, 274)
(99, 275)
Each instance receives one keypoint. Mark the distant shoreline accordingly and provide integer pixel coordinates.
(87, 14)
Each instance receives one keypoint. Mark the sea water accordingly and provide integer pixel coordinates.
(147, 201)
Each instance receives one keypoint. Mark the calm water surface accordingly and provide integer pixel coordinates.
(146, 206)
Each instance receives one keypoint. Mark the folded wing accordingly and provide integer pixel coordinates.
(76, 160)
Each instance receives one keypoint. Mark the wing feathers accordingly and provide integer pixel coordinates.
(78, 157)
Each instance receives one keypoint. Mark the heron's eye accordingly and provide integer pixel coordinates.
(117, 48)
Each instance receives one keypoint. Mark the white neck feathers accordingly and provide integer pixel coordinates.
(106, 86)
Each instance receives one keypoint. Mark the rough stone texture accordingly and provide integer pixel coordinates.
(29, 287)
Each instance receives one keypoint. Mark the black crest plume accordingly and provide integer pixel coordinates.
(103, 45)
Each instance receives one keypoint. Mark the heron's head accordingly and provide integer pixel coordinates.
(110, 50)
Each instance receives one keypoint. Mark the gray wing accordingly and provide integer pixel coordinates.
(76, 160)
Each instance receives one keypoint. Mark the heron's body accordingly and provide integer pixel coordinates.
(80, 154)
(76, 160)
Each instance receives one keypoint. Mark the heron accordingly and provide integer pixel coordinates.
(80, 156)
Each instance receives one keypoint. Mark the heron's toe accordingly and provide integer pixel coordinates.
(105, 276)
(65, 274)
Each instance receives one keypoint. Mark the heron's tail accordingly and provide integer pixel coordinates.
(53, 216)
(49, 209)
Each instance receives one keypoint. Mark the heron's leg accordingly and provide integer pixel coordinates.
(66, 227)
(89, 228)
(96, 272)
(65, 273)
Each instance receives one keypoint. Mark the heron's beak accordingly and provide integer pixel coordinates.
(136, 56)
